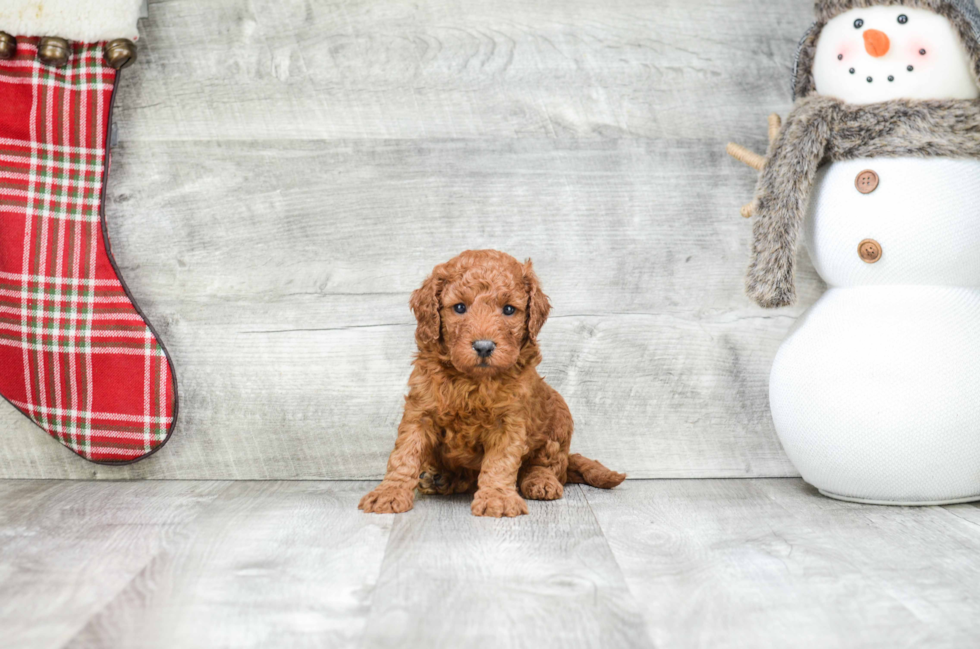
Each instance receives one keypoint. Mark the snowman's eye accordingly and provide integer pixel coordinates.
(903, 19)
(858, 24)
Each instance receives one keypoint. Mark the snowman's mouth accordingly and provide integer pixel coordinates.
(871, 78)
(891, 77)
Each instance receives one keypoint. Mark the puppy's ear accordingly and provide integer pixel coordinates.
(425, 303)
(538, 305)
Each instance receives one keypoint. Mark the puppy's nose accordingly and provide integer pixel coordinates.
(484, 348)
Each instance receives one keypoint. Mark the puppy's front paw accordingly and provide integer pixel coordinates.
(493, 503)
(387, 499)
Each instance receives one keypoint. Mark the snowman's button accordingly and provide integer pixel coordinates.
(869, 251)
(866, 181)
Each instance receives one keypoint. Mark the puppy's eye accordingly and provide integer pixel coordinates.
(858, 24)
(460, 308)
(903, 19)
(509, 310)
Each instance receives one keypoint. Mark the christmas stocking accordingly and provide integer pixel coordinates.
(76, 355)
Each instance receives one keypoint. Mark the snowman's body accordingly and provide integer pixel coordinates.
(876, 391)
(875, 394)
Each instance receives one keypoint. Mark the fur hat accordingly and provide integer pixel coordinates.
(962, 13)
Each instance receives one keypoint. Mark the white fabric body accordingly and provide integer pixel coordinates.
(942, 72)
(875, 394)
(925, 213)
(76, 20)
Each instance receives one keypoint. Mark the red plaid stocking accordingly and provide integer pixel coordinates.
(76, 355)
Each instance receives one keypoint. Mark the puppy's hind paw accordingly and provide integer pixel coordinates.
(542, 487)
(497, 504)
(387, 500)
(436, 484)
(429, 483)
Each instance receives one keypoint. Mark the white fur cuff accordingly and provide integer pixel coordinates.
(77, 20)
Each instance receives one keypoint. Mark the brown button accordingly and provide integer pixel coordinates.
(866, 182)
(870, 251)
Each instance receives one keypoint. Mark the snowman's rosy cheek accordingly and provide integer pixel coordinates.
(844, 51)
(917, 52)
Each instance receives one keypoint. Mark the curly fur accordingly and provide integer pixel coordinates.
(485, 425)
(963, 14)
(822, 129)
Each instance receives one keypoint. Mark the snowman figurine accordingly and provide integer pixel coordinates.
(875, 394)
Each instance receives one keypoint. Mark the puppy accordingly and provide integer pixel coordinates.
(478, 416)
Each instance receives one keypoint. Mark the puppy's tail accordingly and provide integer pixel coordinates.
(582, 470)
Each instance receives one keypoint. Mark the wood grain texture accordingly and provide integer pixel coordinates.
(666, 563)
(68, 548)
(382, 70)
(769, 563)
(287, 564)
(542, 581)
(285, 180)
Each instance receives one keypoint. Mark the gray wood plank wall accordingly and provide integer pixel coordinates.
(290, 170)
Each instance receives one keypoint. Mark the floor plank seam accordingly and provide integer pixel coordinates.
(619, 568)
(175, 533)
(352, 480)
(377, 577)
(961, 518)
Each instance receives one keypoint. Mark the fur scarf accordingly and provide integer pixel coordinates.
(821, 130)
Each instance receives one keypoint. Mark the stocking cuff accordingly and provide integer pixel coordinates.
(76, 20)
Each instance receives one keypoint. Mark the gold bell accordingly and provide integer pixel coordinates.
(120, 53)
(53, 51)
(8, 46)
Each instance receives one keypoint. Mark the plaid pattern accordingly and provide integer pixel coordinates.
(75, 355)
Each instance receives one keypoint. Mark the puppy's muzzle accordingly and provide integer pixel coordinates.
(484, 348)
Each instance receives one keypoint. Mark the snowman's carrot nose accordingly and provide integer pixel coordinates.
(876, 42)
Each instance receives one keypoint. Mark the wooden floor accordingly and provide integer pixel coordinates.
(684, 563)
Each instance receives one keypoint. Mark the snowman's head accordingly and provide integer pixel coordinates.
(876, 54)
(867, 51)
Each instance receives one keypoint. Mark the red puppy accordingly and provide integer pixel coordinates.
(478, 415)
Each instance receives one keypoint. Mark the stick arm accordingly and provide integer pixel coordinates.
(753, 159)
